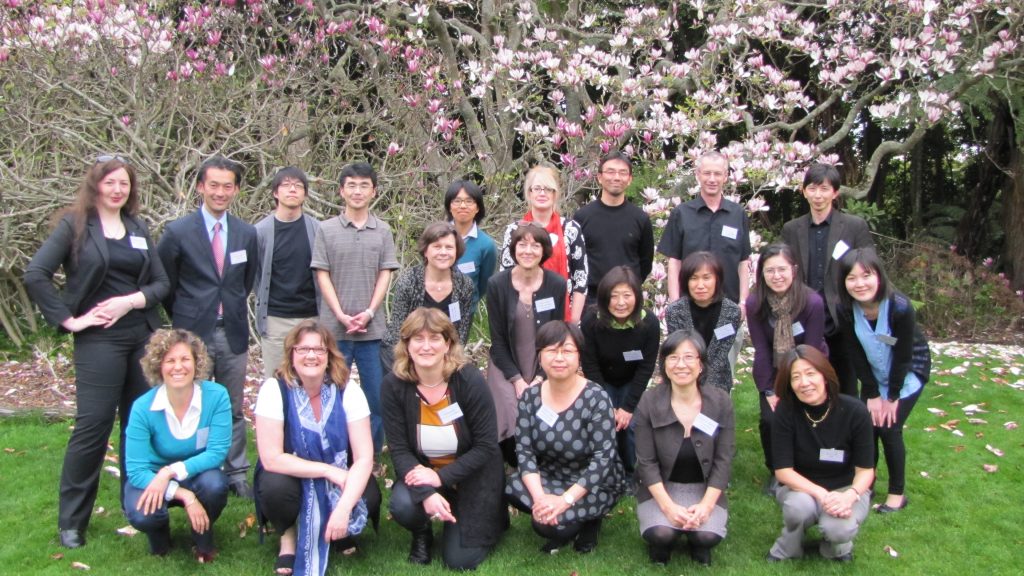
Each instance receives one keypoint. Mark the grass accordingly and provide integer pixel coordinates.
(961, 519)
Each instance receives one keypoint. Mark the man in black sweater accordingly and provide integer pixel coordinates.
(616, 231)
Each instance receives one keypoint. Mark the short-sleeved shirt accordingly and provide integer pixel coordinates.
(693, 227)
(353, 257)
(270, 404)
(291, 283)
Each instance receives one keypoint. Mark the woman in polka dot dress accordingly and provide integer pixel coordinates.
(569, 474)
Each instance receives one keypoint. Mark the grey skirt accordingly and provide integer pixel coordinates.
(649, 514)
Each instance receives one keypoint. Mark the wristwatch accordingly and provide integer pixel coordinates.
(568, 498)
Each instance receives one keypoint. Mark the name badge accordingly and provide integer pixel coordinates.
(798, 328)
(454, 312)
(545, 304)
(239, 257)
(138, 242)
(840, 249)
(554, 239)
(632, 355)
(705, 424)
(723, 332)
(467, 267)
(831, 455)
(885, 339)
(547, 415)
(450, 414)
(202, 435)
(729, 232)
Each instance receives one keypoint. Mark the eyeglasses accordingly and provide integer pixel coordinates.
(540, 188)
(306, 350)
(780, 271)
(104, 158)
(675, 359)
(563, 351)
(463, 202)
(364, 186)
(622, 173)
(291, 184)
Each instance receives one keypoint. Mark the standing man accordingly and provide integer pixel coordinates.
(211, 258)
(617, 232)
(287, 292)
(818, 240)
(353, 257)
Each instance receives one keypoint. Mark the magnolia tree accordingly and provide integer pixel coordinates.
(430, 91)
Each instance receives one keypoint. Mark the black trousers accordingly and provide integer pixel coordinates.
(108, 379)
(893, 446)
(280, 498)
(410, 515)
(764, 426)
(841, 364)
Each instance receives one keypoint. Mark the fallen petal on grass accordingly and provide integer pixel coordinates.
(994, 450)
(990, 468)
(924, 474)
(1010, 425)
(128, 530)
(80, 566)
(891, 551)
(57, 556)
(958, 433)
(937, 411)
(977, 421)
(113, 471)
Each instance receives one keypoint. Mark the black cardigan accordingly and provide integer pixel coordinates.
(86, 271)
(477, 475)
(603, 357)
(502, 300)
(909, 353)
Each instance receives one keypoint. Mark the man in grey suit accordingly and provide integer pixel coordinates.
(819, 239)
(287, 292)
(210, 257)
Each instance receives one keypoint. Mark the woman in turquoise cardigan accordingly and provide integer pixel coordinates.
(178, 436)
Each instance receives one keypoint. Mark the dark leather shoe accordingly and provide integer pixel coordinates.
(72, 539)
(773, 559)
(886, 509)
(845, 558)
(422, 542)
(659, 555)
(586, 541)
(701, 555)
(241, 488)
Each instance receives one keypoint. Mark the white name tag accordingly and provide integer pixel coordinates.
(885, 339)
(547, 415)
(729, 232)
(798, 328)
(554, 239)
(454, 312)
(467, 267)
(632, 355)
(705, 424)
(545, 304)
(239, 257)
(723, 332)
(831, 455)
(840, 249)
(450, 414)
(202, 436)
(138, 242)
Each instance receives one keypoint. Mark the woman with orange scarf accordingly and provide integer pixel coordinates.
(541, 190)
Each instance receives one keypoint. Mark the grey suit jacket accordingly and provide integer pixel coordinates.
(851, 229)
(265, 245)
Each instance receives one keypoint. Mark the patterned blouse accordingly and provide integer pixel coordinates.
(575, 252)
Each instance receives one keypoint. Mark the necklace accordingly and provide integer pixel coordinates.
(432, 386)
(814, 423)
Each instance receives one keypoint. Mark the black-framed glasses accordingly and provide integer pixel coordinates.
(104, 158)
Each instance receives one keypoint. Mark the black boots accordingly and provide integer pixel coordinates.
(422, 542)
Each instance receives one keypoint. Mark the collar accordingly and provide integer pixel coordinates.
(162, 404)
(474, 232)
(209, 220)
(661, 409)
(628, 324)
(826, 222)
(371, 220)
(698, 202)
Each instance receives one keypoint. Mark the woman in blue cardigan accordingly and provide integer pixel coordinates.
(890, 355)
(177, 438)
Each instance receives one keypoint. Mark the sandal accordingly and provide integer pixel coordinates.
(285, 564)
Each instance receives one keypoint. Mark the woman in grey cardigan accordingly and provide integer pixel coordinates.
(704, 308)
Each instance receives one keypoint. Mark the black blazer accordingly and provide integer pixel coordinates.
(502, 300)
(852, 230)
(477, 475)
(196, 288)
(85, 274)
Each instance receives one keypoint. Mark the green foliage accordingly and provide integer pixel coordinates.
(872, 214)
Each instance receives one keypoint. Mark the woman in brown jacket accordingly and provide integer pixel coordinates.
(685, 441)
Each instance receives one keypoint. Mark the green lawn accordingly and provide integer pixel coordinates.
(961, 519)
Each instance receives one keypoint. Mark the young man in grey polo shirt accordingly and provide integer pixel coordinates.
(287, 292)
(353, 256)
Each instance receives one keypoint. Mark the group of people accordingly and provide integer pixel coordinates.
(562, 422)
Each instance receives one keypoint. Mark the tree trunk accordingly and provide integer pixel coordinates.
(1013, 220)
(992, 178)
(914, 193)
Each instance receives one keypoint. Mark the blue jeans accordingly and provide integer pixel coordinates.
(366, 355)
(210, 487)
(623, 438)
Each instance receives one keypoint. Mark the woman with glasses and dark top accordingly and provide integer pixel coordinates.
(315, 453)
(464, 206)
(569, 474)
(890, 355)
(685, 442)
(782, 312)
(568, 251)
(622, 347)
(439, 419)
(519, 301)
(177, 439)
(113, 284)
(823, 457)
(436, 283)
(704, 308)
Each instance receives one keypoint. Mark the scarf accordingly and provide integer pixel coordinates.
(559, 260)
(782, 342)
(323, 441)
(878, 353)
